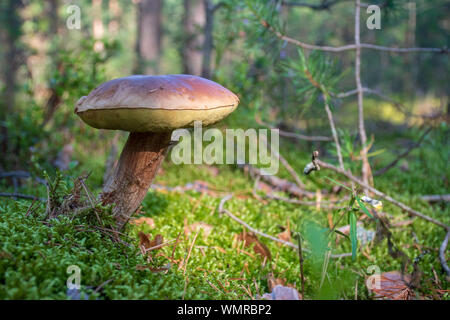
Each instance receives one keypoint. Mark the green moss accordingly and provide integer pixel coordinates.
(35, 255)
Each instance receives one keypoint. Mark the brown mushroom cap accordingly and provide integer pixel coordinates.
(155, 103)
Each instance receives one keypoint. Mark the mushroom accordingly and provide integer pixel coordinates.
(150, 108)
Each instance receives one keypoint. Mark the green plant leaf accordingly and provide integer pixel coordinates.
(338, 183)
(363, 207)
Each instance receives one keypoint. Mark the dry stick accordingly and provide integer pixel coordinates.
(221, 209)
(334, 132)
(22, 196)
(362, 131)
(293, 134)
(326, 204)
(284, 162)
(88, 194)
(382, 195)
(436, 198)
(302, 137)
(277, 182)
(324, 5)
(189, 253)
(399, 106)
(348, 47)
(165, 244)
(403, 154)
(442, 254)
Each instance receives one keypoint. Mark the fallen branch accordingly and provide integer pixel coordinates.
(222, 210)
(348, 47)
(403, 154)
(325, 204)
(334, 132)
(284, 162)
(277, 182)
(436, 198)
(442, 254)
(293, 134)
(20, 174)
(22, 196)
(382, 195)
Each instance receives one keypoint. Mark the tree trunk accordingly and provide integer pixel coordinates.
(148, 45)
(137, 166)
(10, 32)
(193, 23)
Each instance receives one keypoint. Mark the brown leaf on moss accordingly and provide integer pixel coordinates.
(286, 234)
(250, 239)
(392, 286)
(149, 221)
(144, 240)
(196, 226)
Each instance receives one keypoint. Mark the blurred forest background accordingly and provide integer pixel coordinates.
(248, 47)
(46, 67)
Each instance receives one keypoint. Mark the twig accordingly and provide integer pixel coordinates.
(365, 171)
(399, 106)
(22, 196)
(403, 154)
(221, 209)
(436, 198)
(348, 47)
(189, 253)
(293, 134)
(325, 204)
(20, 174)
(277, 182)
(382, 195)
(102, 285)
(334, 132)
(284, 162)
(442, 254)
(324, 5)
(165, 244)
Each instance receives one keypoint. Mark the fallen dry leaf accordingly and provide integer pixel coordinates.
(392, 286)
(250, 238)
(149, 221)
(196, 226)
(286, 234)
(144, 240)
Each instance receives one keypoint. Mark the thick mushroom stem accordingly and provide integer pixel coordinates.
(138, 164)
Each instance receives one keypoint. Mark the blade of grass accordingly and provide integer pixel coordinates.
(353, 238)
(338, 183)
(363, 207)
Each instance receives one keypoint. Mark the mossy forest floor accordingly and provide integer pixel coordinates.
(35, 254)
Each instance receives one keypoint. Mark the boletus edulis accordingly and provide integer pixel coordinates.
(150, 108)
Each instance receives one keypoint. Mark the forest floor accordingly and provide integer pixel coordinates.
(205, 258)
